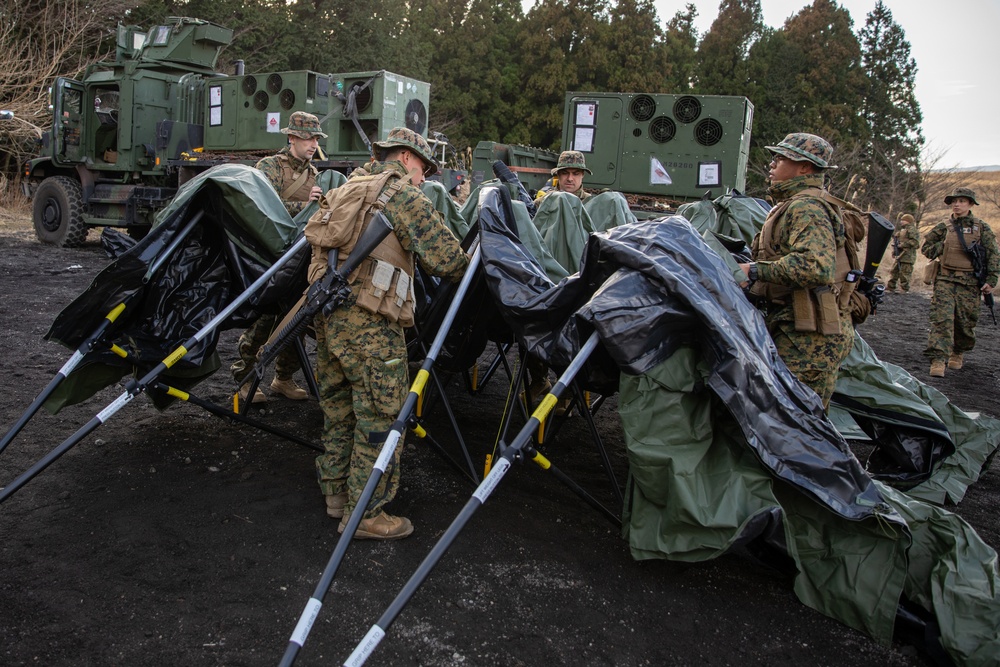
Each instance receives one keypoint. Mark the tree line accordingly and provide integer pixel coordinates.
(500, 73)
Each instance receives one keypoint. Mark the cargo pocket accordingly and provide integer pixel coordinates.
(385, 381)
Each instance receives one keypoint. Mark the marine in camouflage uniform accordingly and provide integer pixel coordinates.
(955, 305)
(805, 234)
(567, 176)
(905, 242)
(293, 176)
(361, 356)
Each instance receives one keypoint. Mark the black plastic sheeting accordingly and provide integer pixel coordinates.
(648, 288)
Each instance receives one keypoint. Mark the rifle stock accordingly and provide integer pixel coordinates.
(327, 293)
(880, 232)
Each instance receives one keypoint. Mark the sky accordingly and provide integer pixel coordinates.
(957, 50)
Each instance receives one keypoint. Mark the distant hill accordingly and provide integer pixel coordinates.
(992, 167)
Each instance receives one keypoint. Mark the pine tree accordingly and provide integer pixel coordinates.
(723, 52)
(891, 170)
(679, 47)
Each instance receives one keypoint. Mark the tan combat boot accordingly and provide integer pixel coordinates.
(937, 369)
(382, 527)
(289, 389)
(955, 362)
(335, 504)
(258, 395)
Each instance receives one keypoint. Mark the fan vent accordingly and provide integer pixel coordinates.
(261, 100)
(287, 98)
(708, 132)
(642, 108)
(416, 116)
(362, 96)
(249, 84)
(687, 109)
(662, 129)
(274, 83)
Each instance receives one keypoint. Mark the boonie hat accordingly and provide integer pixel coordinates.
(571, 160)
(304, 126)
(906, 217)
(800, 146)
(968, 193)
(401, 136)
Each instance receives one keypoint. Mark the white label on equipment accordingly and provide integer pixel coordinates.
(586, 113)
(306, 621)
(71, 363)
(115, 406)
(274, 121)
(490, 483)
(387, 451)
(583, 139)
(215, 116)
(214, 96)
(365, 648)
(708, 174)
(657, 173)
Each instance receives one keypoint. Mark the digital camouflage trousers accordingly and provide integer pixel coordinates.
(363, 381)
(812, 357)
(954, 315)
(901, 272)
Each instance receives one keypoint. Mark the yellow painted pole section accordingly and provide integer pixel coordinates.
(115, 312)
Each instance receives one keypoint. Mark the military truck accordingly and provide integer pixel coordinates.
(133, 129)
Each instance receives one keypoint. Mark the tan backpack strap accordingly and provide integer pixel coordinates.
(393, 188)
(296, 184)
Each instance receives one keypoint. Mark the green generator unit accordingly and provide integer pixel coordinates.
(675, 146)
(247, 112)
(366, 105)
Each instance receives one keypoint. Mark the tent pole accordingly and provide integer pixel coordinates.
(95, 338)
(516, 450)
(136, 387)
(315, 603)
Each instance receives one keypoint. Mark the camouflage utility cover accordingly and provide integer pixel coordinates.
(571, 160)
(968, 193)
(801, 146)
(304, 126)
(407, 138)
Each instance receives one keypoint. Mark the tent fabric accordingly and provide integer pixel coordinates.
(726, 447)
(953, 573)
(243, 230)
(526, 230)
(869, 388)
(444, 203)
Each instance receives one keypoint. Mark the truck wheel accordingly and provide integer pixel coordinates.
(58, 212)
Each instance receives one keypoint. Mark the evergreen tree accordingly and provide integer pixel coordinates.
(891, 171)
(723, 52)
(631, 54)
(558, 45)
(679, 48)
(807, 77)
(474, 73)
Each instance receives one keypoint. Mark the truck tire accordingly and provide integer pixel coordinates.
(58, 212)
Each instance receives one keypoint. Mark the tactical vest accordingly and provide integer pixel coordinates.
(953, 256)
(814, 308)
(386, 276)
(297, 184)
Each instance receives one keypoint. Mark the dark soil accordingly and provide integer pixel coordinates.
(179, 538)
